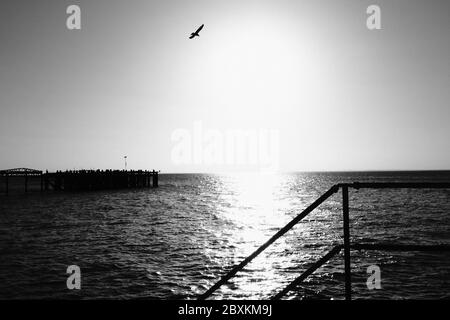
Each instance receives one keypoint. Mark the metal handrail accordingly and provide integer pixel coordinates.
(396, 185)
(346, 228)
(277, 235)
(358, 246)
(309, 271)
(400, 247)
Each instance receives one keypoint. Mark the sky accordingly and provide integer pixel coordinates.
(308, 79)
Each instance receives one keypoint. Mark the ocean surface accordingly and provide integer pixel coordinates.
(175, 241)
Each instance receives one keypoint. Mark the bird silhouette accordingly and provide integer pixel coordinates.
(195, 34)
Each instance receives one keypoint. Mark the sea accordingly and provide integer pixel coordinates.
(176, 241)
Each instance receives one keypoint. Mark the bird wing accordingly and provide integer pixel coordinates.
(191, 36)
(200, 28)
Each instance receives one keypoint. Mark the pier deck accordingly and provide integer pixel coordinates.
(83, 180)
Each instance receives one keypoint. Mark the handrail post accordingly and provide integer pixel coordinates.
(345, 211)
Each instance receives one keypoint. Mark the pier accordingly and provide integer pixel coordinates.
(82, 180)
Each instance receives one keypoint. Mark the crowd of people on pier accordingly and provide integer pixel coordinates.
(100, 179)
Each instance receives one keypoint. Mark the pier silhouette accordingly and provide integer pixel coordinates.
(83, 180)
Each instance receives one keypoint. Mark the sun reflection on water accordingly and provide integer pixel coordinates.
(256, 208)
(249, 209)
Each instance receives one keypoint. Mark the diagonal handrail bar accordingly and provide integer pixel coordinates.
(358, 246)
(275, 237)
(316, 265)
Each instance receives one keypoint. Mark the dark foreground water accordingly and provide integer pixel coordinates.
(176, 241)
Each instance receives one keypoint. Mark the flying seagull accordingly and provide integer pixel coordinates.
(195, 34)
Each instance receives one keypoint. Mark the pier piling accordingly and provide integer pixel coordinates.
(155, 179)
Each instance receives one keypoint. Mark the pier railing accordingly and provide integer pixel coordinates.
(346, 246)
